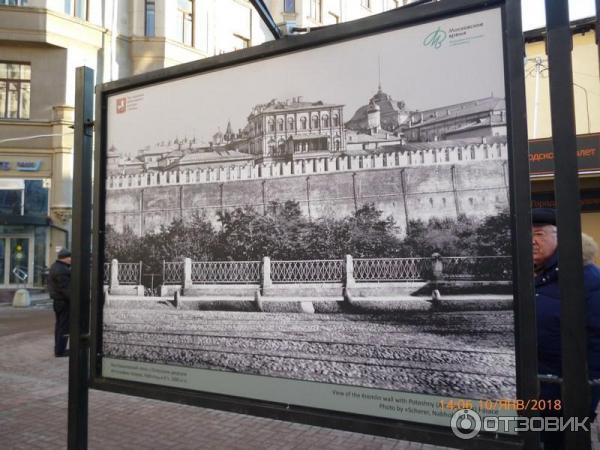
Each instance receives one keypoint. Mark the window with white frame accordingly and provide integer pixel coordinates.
(289, 6)
(77, 8)
(185, 21)
(15, 89)
(315, 10)
(150, 18)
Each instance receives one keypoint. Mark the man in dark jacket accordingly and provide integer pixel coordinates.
(59, 287)
(545, 260)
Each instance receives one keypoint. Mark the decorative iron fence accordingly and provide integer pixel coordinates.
(489, 268)
(106, 275)
(392, 269)
(130, 273)
(214, 272)
(173, 272)
(313, 271)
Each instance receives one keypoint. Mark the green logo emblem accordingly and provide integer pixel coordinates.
(435, 39)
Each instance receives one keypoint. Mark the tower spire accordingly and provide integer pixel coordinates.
(379, 64)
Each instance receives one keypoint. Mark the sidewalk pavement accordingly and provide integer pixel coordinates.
(33, 408)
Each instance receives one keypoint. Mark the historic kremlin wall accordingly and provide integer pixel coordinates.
(473, 187)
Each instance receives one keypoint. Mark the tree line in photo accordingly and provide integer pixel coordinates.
(283, 232)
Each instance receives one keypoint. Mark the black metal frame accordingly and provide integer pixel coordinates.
(79, 356)
(575, 387)
(520, 205)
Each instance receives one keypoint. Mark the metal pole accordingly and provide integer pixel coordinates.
(81, 258)
(265, 15)
(575, 387)
(597, 30)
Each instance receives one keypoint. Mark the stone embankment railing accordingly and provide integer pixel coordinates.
(382, 160)
(311, 280)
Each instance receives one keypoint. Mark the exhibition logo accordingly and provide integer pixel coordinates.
(121, 105)
(435, 39)
(466, 424)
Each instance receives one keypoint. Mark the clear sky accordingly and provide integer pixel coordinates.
(466, 67)
(534, 14)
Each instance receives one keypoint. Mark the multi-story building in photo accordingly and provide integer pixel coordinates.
(41, 44)
(295, 129)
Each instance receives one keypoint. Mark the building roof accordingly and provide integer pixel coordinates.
(294, 104)
(389, 109)
(449, 112)
(214, 156)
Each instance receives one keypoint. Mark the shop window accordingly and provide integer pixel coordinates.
(150, 18)
(11, 200)
(15, 89)
(36, 198)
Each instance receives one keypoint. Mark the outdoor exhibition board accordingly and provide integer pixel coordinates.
(322, 228)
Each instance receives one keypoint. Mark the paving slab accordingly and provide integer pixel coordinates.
(33, 408)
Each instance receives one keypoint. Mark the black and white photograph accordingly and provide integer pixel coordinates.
(309, 218)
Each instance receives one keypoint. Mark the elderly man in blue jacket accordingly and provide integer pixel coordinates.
(545, 260)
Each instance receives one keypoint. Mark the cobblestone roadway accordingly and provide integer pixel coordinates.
(33, 408)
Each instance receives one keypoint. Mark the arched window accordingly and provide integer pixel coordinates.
(446, 154)
(291, 123)
(422, 156)
(280, 124)
(315, 121)
(472, 152)
(435, 156)
(460, 154)
(271, 148)
(431, 202)
(337, 145)
(444, 201)
(325, 121)
(336, 120)
(486, 152)
(271, 126)
(303, 123)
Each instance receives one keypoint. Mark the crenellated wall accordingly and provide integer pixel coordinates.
(476, 188)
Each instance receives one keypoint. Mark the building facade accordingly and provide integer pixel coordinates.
(294, 129)
(586, 92)
(41, 44)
